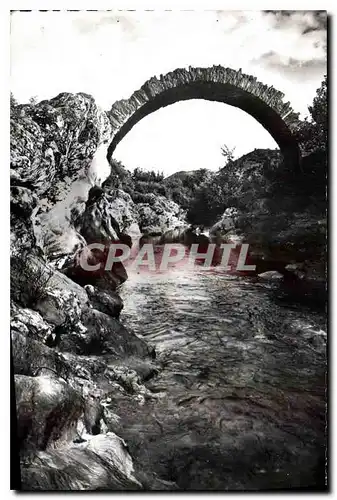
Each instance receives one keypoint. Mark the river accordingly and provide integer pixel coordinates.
(239, 388)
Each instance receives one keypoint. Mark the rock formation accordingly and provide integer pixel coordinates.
(58, 150)
(113, 213)
(69, 350)
(77, 370)
(281, 215)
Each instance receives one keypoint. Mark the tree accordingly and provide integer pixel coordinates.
(208, 202)
(313, 134)
(13, 105)
(33, 100)
(227, 153)
(14, 102)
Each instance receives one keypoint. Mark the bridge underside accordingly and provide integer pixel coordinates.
(125, 114)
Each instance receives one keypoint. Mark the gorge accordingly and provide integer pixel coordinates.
(174, 380)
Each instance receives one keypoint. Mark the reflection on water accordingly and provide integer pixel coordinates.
(241, 375)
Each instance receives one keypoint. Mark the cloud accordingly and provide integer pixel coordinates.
(296, 48)
(306, 21)
(86, 25)
(110, 54)
(294, 69)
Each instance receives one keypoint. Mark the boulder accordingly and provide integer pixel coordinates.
(97, 224)
(103, 335)
(100, 463)
(108, 213)
(108, 303)
(31, 275)
(159, 214)
(31, 324)
(31, 357)
(226, 223)
(271, 275)
(101, 278)
(47, 412)
(60, 307)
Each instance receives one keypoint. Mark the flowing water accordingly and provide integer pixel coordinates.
(239, 392)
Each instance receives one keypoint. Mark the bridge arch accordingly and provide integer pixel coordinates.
(262, 102)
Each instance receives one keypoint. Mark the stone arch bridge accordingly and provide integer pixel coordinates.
(216, 83)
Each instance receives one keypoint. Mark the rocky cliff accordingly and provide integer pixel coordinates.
(58, 150)
(281, 213)
(76, 368)
(72, 358)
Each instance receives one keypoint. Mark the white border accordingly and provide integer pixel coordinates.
(5, 6)
(170, 4)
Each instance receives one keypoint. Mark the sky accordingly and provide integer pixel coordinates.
(110, 54)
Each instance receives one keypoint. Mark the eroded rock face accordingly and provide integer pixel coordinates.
(60, 307)
(159, 215)
(277, 212)
(89, 267)
(47, 411)
(111, 214)
(31, 324)
(101, 463)
(31, 275)
(23, 202)
(104, 215)
(102, 334)
(32, 357)
(68, 359)
(108, 303)
(60, 336)
(58, 150)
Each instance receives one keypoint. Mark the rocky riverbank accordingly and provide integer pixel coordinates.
(79, 373)
(282, 215)
(70, 352)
